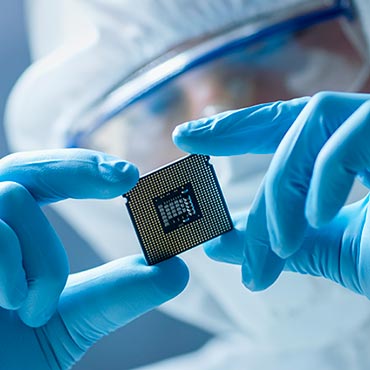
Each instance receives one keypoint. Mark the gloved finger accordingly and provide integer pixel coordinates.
(98, 301)
(43, 256)
(261, 266)
(257, 129)
(332, 251)
(288, 177)
(346, 154)
(13, 283)
(229, 247)
(53, 175)
(248, 245)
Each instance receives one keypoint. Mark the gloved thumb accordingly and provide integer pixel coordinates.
(99, 301)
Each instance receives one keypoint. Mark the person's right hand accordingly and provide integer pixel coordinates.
(43, 324)
(298, 221)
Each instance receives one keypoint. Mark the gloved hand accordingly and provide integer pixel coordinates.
(298, 221)
(34, 267)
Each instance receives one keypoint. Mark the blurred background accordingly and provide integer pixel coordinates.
(150, 338)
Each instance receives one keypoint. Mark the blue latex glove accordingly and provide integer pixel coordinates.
(298, 221)
(34, 268)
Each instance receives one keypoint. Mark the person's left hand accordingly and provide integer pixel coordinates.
(297, 221)
(39, 328)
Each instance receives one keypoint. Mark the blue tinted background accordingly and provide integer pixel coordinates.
(150, 338)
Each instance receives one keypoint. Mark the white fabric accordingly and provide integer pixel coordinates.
(363, 10)
(350, 351)
(84, 50)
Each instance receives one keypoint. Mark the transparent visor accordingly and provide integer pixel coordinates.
(326, 56)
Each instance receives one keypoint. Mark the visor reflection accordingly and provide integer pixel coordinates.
(319, 58)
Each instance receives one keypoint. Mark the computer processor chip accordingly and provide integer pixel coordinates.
(177, 207)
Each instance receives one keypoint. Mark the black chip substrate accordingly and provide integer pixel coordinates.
(177, 207)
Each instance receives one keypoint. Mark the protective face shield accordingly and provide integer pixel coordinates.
(106, 93)
(275, 58)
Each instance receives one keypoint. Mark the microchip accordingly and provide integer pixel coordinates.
(177, 207)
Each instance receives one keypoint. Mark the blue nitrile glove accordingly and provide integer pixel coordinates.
(34, 268)
(297, 221)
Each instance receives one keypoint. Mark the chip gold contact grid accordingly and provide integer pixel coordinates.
(177, 207)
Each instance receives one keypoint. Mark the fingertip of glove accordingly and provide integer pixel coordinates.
(37, 311)
(187, 129)
(15, 301)
(121, 167)
(31, 320)
(129, 171)
(180, 136)
(283, 253)
(213, 250)
(180, 131)
(171, 276)
(227, 248)
(284, 245)
(189, 136)
(313, 219)
(14, 289)
(319, 218)
(256, 283)
(251, 283)
(121, 173)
